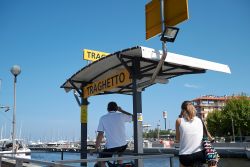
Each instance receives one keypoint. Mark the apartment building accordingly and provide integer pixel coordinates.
(209, 103)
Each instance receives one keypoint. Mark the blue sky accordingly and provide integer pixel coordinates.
(46, 38)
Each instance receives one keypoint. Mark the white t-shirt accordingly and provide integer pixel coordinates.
(191, 133)
(113, 125)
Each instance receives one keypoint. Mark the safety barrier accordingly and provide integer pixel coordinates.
(20, 162)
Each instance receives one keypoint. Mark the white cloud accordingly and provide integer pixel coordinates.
(191, 86)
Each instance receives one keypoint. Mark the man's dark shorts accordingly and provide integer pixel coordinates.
(106, 153)
(190, 159)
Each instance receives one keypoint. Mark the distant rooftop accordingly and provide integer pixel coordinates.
(213, 97)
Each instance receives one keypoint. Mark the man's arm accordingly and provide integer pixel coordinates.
(124, 112)
(98, 140)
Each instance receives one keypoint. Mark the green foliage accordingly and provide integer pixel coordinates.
(151, 134)
(236, 110)
(216, 123)
(154, 133)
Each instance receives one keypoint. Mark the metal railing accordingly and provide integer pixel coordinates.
(20, 162)
(8, 159)
(133, 157)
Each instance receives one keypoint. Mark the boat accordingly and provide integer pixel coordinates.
(37, 144)
(147, 143)
(22, 150)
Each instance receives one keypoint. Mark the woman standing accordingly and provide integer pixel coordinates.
(189, 133)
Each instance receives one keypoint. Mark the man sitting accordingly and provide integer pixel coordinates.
(113, 125)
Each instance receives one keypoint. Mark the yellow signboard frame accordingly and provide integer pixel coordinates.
(175, 11)
(93, 55)
(84, 114)
(118, 79)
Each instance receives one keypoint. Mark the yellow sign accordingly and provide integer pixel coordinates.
(84, 114)
(139, 117)
(119, 79)
(175, 11)
(93, 55)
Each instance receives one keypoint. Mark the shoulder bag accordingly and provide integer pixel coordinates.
(212, 157)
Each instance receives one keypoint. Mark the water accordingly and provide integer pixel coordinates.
(156, 162)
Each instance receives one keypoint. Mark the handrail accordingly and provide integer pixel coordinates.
(117, 158)
(20, 161)
(10, 152)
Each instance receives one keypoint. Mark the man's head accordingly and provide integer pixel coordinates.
(112, 106)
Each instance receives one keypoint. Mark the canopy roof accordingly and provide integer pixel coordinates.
(174, 65)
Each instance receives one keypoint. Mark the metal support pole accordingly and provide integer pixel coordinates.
(158, 131)
(233, 128)
(165, 120)
(14, 120)
(164, 52)
(19, 163)
(84, 126)
(171, 161)
(61, 155)
(164, 48)
(137, 112)
(162, 16)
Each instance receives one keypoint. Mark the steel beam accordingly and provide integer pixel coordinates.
(137, 113)
(84, 131)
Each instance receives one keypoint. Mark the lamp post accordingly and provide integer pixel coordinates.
(15, 70)
(158, 130)
(165, 118)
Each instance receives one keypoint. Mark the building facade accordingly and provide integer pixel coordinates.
(209, 103)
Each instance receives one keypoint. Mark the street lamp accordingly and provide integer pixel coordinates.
(15, 70)
(169, 34)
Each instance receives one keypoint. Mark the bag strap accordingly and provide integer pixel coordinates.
(205, 131)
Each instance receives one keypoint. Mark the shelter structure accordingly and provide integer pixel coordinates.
(128, 72)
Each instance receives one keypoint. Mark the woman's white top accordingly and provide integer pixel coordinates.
(191, 133)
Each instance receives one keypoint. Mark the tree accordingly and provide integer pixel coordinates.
(154, 133)
(235, 113)
(238, 110)
(217, 124)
